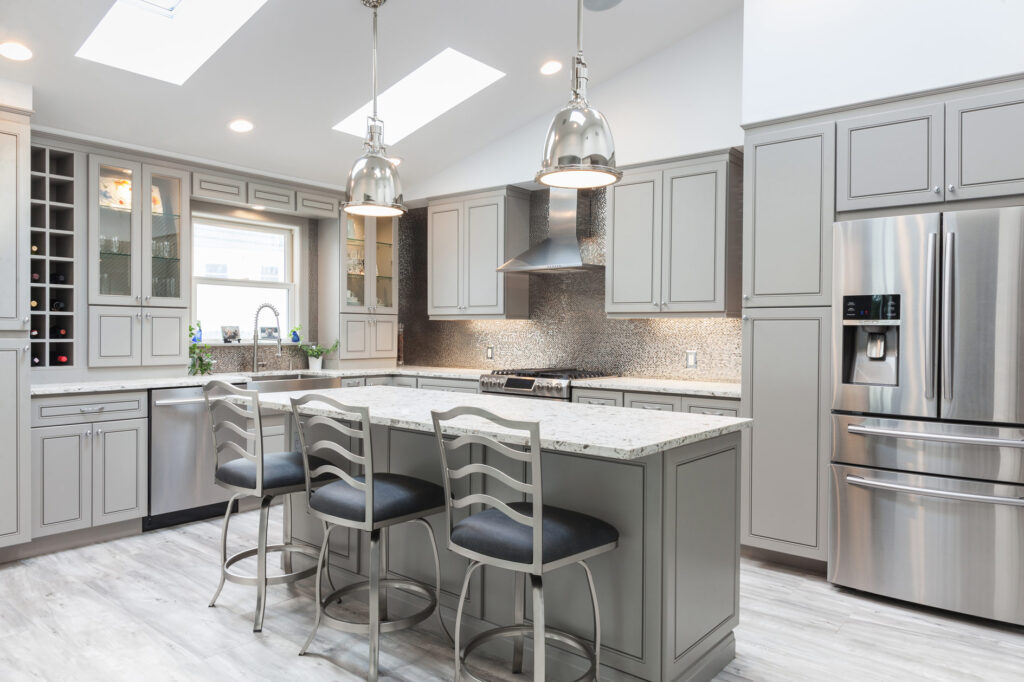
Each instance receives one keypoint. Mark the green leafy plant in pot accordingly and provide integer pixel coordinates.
(200, 360)
(315, 353)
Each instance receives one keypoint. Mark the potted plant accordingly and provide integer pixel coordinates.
(316, 353)
(295, 333)
(200, 360)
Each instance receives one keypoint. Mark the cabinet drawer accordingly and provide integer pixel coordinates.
(720, 408)
(650, 401)
(79, 409)
(353, 382)
(453, 385)
(379, 381)
(408, 382)
(316, 205)
(218, 188)
(596, 397)
(268, 195)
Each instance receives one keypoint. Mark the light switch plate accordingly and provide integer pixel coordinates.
(691, 359)
(490, 352)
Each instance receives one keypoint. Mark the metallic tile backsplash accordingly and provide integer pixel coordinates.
(238, 358)
(567, 324)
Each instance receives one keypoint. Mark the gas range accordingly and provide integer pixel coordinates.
(553, 383)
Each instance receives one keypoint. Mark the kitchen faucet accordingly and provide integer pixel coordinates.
(256, 329)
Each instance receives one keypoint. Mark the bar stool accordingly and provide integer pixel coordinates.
(237, 428)
(371, 502)
(530, 538)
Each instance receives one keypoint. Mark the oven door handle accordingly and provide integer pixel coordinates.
(930, 492)
(939, 437)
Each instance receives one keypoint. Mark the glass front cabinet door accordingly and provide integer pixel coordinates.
(166, 244)
(115, 231)
(369, 260)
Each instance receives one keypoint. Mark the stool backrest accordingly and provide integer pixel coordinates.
(529, 485)
(325, 454)
(235, 425)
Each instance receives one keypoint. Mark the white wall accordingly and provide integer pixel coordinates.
(805, 55)
(682, 100)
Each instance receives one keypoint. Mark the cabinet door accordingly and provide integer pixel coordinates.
(276, 432)
(355, 337)
(444, 271)
(693, 238)
(633, 272)
(120, 477)
(985, 146)
(650, 401)
(115, 231)
(15, 457)
(164, 336)
(355, 259)
(115, 336)
(384, 336)
(890, 159)
(484, 251)
(14, 225)
(786, 387)
(166, 238)
(384, 273)
(788, 211)
(61, 479)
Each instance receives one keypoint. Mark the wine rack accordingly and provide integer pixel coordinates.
(53, 233)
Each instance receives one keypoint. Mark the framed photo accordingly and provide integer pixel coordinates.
(231, 334)
(269, 333)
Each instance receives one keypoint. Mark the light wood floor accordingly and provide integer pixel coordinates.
(135, 609)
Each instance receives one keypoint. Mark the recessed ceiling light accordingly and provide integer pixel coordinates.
(15, 51)
(439, 85)
(551, 67)
(164, 39)
(241, 125)
(259, 207)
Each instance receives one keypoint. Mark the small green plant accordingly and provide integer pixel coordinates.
(318, 351)
(200, 360)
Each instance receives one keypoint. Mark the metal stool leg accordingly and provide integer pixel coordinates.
(261, 565)
(375, 604)
(224, 547)
(597, 621)
(327, 559)
(437, 576)
(319, 604)
(383, 594)
(538, 628)
(473, 565)
(520, 617)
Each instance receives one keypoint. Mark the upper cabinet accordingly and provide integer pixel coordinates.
(14, 225)
(467, 240)
(788, 211)
(369, 261)
(139, 227)
(985, 146)
(890, 159)
(674, 239)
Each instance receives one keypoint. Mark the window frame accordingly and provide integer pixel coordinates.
(292, 265)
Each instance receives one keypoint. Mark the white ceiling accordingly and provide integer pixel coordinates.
(300, 66)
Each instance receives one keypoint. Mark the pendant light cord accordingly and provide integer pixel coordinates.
(579, 27)
(579, 68)
(375, 62)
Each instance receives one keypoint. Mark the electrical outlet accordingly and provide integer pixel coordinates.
(490, 352)
(691, 359)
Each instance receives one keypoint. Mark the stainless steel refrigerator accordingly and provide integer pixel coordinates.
(927, 474)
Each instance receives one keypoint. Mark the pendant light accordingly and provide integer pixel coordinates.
(579, 151)
(373, 185)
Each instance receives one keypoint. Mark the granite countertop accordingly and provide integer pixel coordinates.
(711, 389)
(598, 430)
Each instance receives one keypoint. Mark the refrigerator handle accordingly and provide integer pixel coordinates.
(931, 492)
(947, 316)
(930, 303)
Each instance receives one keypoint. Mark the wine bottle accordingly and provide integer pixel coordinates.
(35, 277)
(34, 332)
(36, 360)
(58, 332)
(57, 305)
(34, 304)
(57, 278)
(58, 359)
(35, 249)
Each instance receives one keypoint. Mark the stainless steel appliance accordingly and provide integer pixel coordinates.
(553, 383)
(928, 410)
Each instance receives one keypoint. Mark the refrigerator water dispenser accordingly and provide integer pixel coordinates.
(871, 339)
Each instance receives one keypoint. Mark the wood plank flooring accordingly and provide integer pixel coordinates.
(135, 609)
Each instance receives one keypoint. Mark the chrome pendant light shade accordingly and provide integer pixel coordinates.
(374, 188)
(579, 151)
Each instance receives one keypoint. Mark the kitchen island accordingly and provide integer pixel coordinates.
(669, 482)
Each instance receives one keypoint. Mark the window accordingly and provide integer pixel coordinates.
(238, 266)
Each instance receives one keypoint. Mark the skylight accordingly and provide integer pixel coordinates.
(438, 86)
(165, 39)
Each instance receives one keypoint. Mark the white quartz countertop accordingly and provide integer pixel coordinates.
(711, 389)
(599, 430)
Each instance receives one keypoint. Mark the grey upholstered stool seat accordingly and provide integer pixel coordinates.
(279, 469)
(394, 496)
(563, 532)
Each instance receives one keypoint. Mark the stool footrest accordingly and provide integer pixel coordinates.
(390, 625)
(581, 645)
(292, 577)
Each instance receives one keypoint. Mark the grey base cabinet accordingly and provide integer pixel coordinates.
(786, 391)
(15, 456)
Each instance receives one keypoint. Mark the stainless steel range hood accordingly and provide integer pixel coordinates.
(560, 251)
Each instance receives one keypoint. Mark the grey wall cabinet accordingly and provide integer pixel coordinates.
(14, 224)
(467, 240)
(786, 391)
(890, 159)
(788, 211)
(368, 336)
(985, 146)
(15, 457)
(272, 196)
(316, 205)
(126, 336)
(674, 239)
(219, 188)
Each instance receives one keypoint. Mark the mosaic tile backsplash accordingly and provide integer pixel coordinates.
(567, 324)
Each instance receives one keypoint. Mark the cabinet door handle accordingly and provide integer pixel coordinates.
(99, 432)
(147, 298)
(88, 434)
(138, 298)
(149, 316)
(24, 320)
(936, 189)
(138, 316)
(92, 410)
(950, 188)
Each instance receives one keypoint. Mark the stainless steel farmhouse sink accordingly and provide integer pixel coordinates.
(274, 383)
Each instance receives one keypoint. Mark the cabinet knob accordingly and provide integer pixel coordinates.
(744, 318)
(25, 319)
(746, 297)
(149, 316)
(147, 298)
(935, 189)
(138, 298)
(26, 348)
(950, 187)
(99, 432)
(88, 434)
(138, 316)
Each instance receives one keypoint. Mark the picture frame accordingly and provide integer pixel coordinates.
(269, 333)
(231, 334)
